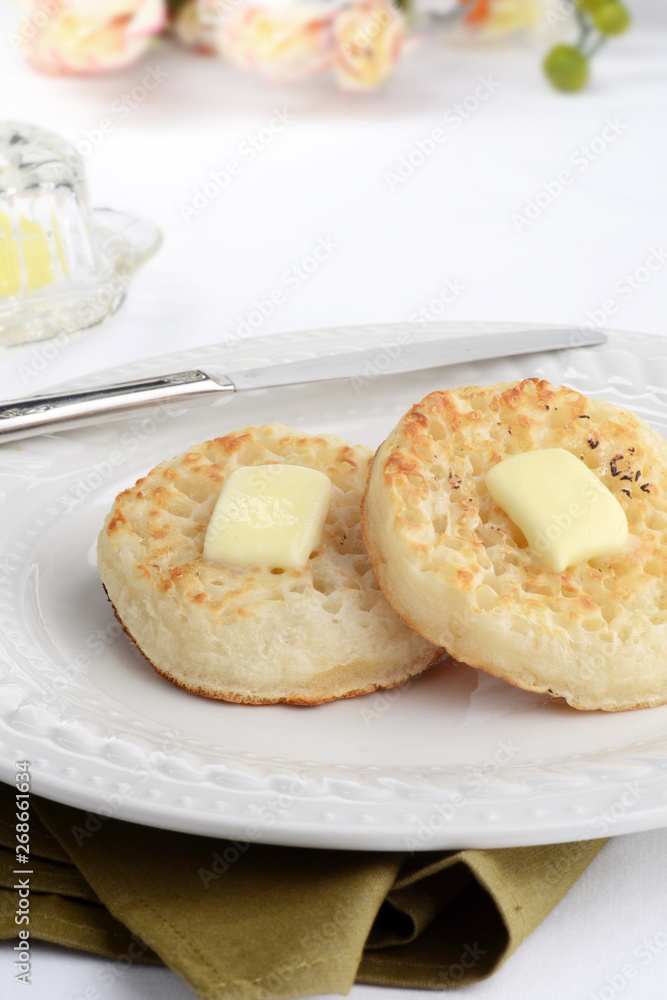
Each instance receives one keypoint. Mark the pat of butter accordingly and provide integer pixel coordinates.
(10, 259)
(32, 251)
(567, 515)
(36, 255)
(268, 515)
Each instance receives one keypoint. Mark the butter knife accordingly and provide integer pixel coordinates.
(20, 418)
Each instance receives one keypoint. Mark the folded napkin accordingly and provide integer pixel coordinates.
(243, 921)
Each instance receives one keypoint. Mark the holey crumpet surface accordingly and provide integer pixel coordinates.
(453, 756)
(254, 634)
(460, 571)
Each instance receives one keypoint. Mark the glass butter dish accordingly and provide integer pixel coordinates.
(63, 265)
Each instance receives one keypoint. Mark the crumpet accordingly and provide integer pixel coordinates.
(459, 571)
(253, 634)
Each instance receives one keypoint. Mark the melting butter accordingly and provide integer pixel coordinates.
(268, 515)
(566, 513)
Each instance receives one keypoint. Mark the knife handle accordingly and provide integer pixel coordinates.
(21, 418)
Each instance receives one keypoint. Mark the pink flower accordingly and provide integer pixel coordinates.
(194, 27)
(282, 42)
(90, 36)
(369, 38)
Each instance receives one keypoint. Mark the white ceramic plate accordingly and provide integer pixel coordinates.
(456, 758)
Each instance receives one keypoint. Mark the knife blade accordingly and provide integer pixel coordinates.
(20, 418)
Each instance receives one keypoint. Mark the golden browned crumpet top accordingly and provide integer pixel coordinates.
(254, 635)
(460, 572)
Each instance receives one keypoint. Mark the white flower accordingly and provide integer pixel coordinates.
(283, 42)
(91, 36)
(369, 38)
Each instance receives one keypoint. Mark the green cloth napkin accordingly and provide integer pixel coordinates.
(245, 921)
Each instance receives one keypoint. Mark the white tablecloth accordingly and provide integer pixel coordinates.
(480, 224)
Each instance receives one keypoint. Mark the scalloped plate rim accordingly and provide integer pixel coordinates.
(386, 828)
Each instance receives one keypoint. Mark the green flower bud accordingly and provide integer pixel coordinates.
(566, 68)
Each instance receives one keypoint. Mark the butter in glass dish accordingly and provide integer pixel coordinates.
(64, 266)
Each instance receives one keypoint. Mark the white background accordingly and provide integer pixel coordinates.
(454, 219)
